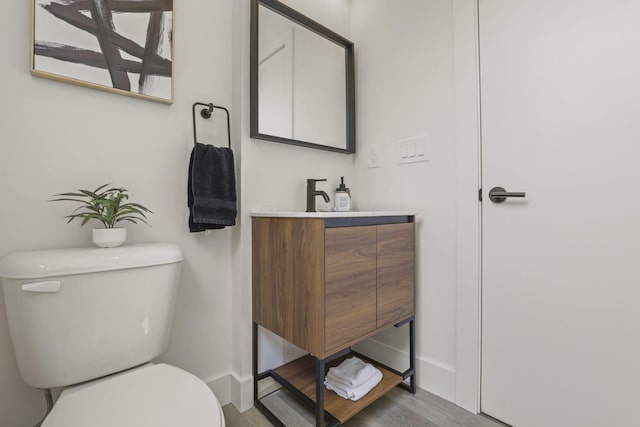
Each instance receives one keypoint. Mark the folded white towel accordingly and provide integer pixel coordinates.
(357, 392)
(351, 373)
(351, 383)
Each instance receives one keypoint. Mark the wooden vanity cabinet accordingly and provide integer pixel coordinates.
(324, 285)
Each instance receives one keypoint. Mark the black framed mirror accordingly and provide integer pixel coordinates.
(302, 80)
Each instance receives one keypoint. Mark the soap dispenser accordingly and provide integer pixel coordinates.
(343, 197)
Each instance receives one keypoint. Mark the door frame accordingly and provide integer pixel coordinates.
(469, 212)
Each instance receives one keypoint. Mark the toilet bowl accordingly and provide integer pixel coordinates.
(151, 395)
(90, 321)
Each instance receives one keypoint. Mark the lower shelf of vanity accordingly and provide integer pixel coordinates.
(302, 375)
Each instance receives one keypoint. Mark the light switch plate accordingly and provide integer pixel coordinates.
(412, 150)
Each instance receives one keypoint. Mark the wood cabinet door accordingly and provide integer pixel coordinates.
(350, 285)
(395, 273)
(287, 271)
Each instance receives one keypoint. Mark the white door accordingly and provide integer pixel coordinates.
(560, 91)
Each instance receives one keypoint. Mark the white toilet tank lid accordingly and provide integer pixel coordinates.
(65, 262)
(149, 396)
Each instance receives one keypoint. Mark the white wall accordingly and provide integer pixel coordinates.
(56, 137)
(405, 89)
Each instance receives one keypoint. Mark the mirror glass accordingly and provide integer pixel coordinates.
(302, 81)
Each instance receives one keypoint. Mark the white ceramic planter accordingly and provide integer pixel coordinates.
(109, 237)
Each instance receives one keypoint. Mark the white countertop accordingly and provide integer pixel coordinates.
(300, 214)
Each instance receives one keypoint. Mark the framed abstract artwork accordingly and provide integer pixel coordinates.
(122, 46)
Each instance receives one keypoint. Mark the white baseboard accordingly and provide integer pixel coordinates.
(431, 376)
(241, 392)
(229, 389)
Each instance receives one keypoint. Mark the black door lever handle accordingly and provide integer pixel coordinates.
(499, 194)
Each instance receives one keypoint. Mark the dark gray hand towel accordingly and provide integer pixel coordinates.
(211, 188)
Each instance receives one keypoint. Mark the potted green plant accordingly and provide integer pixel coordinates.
(108, 206)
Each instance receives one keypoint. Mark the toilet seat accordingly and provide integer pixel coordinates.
(149, 396)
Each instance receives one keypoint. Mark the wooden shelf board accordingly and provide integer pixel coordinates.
(301, 374)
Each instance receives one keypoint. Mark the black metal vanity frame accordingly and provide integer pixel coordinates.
(318, 406)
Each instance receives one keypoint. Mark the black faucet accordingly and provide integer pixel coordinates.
(312, 193)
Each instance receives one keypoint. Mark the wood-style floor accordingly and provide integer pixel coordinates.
(397, 408)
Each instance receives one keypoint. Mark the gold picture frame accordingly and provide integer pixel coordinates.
(119, 46)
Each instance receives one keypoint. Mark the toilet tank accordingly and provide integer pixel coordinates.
(79, 314)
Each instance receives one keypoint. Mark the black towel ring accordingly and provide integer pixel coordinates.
(206, 114)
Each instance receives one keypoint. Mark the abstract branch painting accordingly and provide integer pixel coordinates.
(124, 46)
